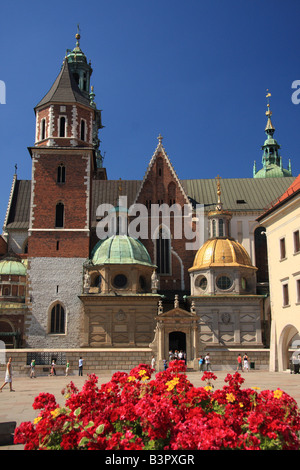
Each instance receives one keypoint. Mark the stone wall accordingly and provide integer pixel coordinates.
(94, 360)
(53, 280)
(125, 359)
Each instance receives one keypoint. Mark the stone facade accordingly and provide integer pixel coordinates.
(51, 281)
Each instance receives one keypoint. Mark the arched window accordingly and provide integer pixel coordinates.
(43, 129)
(57, 321)
(61, 173)
(82, 130)
(62, 126)
(163, 252)
(59, 215)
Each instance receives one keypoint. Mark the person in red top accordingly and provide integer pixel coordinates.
(240, 364)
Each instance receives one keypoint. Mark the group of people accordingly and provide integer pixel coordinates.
(177, 355)
(8, 371)
(243, 362)
(204, 362)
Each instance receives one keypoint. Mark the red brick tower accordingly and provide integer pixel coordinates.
(65, 159)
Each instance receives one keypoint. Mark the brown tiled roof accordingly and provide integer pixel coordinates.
(64, 89)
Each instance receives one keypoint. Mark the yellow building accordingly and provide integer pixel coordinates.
(281, 223)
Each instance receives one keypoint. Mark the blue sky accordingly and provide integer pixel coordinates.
(195, 71)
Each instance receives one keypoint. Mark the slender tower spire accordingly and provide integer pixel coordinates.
(271, 158)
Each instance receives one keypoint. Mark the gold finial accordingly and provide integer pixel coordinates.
(160, 138)
(268, 112)
(77, 36)
(218, 189)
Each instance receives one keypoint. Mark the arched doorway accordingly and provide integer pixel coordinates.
(177, 341)
(285, 340)
(7, 334)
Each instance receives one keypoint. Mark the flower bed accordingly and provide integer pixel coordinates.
(133, 411)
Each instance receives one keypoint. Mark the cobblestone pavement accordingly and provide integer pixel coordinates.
(17, 406)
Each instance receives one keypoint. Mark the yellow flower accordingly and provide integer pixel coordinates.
(172, 383)
(241, 405)
(256, 388)
(142, 372)
(37, 420)
(230, 397)
(131, 378)
(55, 413)
(208, 388)
(278, 393)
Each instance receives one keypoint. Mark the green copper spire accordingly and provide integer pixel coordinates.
(79, 66)
(271, 159)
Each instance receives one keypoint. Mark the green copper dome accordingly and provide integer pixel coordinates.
(11, 267)
(120, 249)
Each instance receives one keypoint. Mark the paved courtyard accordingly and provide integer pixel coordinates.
(17, 406)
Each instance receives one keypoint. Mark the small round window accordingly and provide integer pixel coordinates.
(224, 282)
(201, 282)
(120, 280)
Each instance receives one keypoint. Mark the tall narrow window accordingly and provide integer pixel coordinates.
(59, 215)
(163, 253)
(82, 130)
(298, 290)
(282, 248)
(62, 127)
(296, 242)
(214, 231)
(61, 173)
(285, 291)
(221, 228)
(57, 319)
(43, 129)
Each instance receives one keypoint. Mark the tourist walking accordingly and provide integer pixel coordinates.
(246, 362)
(207, 362)
(8, 375)
(80, 366)
(53, 371)
(67, 368)
(32, 369)
(201, 363)
(153, 363)
(239, 363)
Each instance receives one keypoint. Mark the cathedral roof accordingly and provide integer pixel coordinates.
(64, 89)
(238, 194)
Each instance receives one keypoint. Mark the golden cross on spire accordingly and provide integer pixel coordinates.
(268, 112)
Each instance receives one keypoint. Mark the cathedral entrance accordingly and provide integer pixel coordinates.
(177, 341)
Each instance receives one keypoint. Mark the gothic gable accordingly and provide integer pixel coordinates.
(161, 184)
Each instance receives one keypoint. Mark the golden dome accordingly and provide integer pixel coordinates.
(221, 252)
